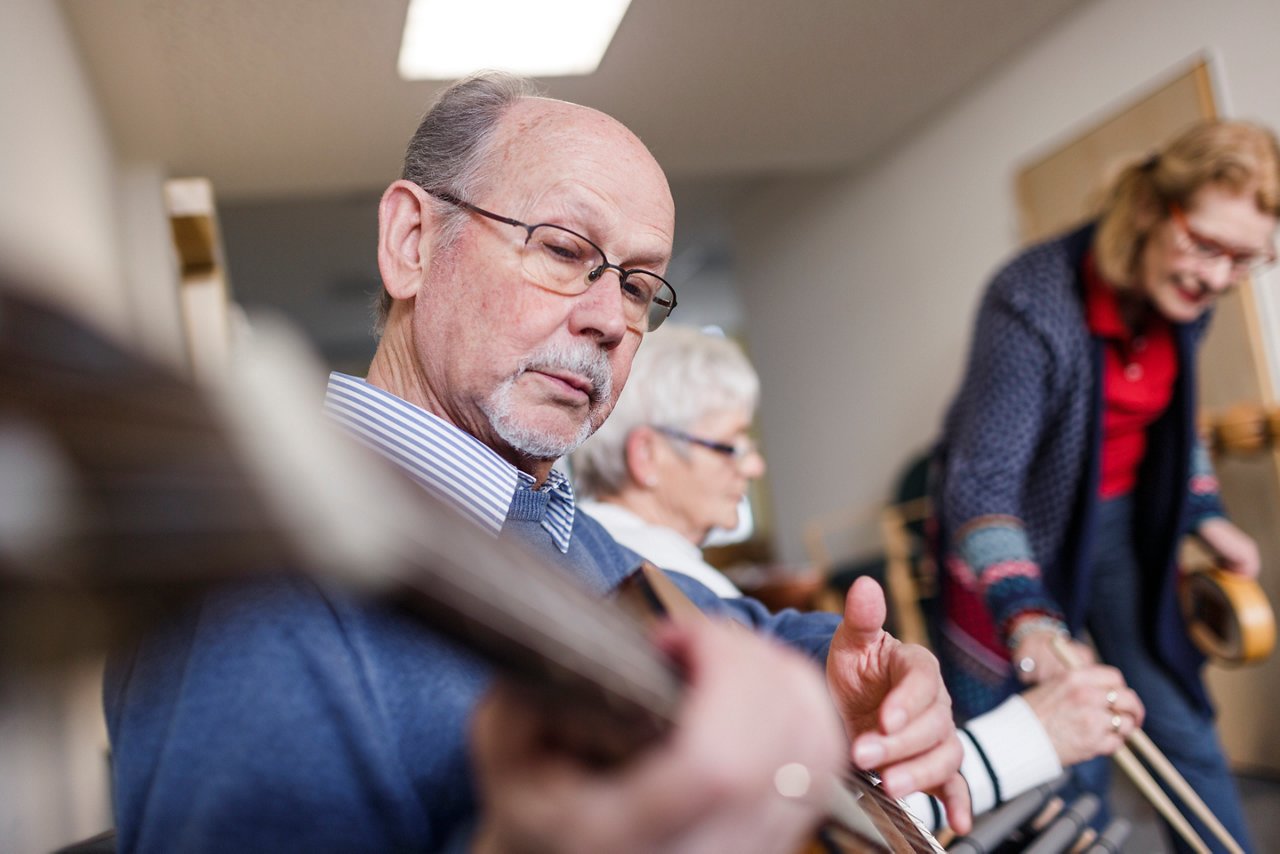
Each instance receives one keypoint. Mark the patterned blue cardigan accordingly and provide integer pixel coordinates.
(1016, 479)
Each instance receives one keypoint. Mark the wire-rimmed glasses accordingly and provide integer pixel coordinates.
(563, 261)
(738, 451)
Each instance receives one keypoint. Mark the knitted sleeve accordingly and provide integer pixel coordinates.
(1005, 406)
(1203, 501)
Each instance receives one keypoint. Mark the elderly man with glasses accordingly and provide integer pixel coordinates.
(522, 255)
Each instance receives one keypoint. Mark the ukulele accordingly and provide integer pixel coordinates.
(1228, 616)
(140, 488)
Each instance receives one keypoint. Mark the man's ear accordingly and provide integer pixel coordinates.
(642, 462)
(404, 217)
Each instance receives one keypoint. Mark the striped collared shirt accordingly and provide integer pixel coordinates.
(449, 463)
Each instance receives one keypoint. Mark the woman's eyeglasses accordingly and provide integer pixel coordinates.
(738, 451)
(1212, 251)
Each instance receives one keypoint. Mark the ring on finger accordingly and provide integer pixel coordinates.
(1112, 696)
(1116, 722)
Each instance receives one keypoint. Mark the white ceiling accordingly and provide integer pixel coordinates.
(293, 108)
(274, 98)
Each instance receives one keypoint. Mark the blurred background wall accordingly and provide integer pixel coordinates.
(59, 226)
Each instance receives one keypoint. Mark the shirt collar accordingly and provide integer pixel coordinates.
(450, 463)
(1102, 307)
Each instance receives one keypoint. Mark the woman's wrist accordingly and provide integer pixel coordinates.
(1029, 625)
(1030, 647)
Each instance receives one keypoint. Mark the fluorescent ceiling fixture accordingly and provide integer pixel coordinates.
(448, 39)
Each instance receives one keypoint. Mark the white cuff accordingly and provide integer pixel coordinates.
(1017, 749)
(1011, 739)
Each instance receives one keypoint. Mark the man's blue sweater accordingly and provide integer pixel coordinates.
(281, 715)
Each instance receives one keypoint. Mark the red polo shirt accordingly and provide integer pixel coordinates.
(1138, 370)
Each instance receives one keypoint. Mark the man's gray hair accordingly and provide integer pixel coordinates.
(680, 374)
(449, 151)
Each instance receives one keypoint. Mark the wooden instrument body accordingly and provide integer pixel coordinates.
(1228, 616)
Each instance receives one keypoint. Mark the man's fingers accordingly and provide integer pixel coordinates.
(505, 732)
(917, 687)
(927, 763)
(954, 795)
(864, 612)
(921, 734)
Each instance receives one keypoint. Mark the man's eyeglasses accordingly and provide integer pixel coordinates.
(565, 262)
(1211, 251)
(738, 451)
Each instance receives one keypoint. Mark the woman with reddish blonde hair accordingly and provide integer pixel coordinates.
(1069, 466)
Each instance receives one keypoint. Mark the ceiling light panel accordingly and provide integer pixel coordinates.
(448, 39)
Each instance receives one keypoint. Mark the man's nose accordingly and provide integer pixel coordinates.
(599, 310)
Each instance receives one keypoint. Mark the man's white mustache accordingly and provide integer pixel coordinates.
(586, 361)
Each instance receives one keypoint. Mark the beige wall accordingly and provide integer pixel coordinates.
(860, 289)
(65, 209)
(58, 207)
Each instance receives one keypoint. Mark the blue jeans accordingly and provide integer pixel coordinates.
(1185, 735)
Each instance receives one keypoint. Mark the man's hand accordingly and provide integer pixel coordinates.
(751, 708)
(896, 711)
(1236, 551)
(1086, 712)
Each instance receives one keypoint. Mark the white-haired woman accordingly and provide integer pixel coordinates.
(675, 458)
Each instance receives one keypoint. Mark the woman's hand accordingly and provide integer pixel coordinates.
(1086, 712)
(1235, 550)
